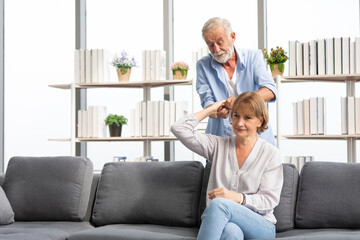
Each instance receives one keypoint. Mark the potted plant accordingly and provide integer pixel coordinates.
(179, 70)
(276, 60)
(115, 123)
(123, 66)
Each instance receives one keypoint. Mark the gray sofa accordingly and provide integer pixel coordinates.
(60, 198)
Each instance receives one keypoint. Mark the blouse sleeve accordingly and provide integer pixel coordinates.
(201, 143)
(268, 195)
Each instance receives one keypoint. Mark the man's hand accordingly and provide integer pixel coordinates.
(224, 111)
(224, 193)
(214, 108)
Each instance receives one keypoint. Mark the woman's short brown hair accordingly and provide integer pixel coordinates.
(252, 102)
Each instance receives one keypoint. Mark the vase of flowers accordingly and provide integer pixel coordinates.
(123, 65)
(179, 70)
(276, 60)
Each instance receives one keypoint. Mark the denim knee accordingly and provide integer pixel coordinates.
(232, 232)
(217, 206)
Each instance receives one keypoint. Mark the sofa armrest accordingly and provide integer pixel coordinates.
(2, 179)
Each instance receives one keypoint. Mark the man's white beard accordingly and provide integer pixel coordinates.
(223, 56)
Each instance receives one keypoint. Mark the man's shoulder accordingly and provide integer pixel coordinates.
(205, 60)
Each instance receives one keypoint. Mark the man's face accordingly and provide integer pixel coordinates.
(219, 45)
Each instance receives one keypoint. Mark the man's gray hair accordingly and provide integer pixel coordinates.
(214, 22)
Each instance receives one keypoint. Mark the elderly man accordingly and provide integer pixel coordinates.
(228, 72)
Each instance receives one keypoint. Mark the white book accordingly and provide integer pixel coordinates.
(88, 66)
(352, 57)
(84, 123)
(295, 118)
(82, 65)
(101, 122)
(77, 66)
(148, 65)
(132, 122)
(344, 121)
(94, 66)
(321, 56)
(79, 124)
(161, 119)
(313, 116)
(300, 114)
(351, 114)
(321, 115)
(309, 158)
(155, 122)
(357, 55)
(313, 57)
(143, 65)
(166, 118)
(292, 58)
(287, 159)
(172, 115)
(301, 163)
(295, 161)
(138, 119)
(306, 103)
(90, 122)
(345, 55)
(299, 59)
(337, 55)
(149, 119)
(163, 65)
(143, 119)
(357, 115)
(95, 119)
(306, 58)
(181, 109)
(157, 64)
(329, 70)
(104, 60)
(152, 60)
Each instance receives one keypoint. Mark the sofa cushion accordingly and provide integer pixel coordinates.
(320, 234)
(164, 193)
(329, 195)
(6, 212)
(285, 211)
(48, 188)
(136, 232)
(202, 204)
(42, 230)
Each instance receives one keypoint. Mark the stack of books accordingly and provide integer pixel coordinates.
(324, 57)
(350, 115)
(309, 116)
(153, 65)
(154, 118)
(92, 66)
(298, 161)
(91, 122)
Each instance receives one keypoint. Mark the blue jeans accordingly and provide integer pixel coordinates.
(226, 219)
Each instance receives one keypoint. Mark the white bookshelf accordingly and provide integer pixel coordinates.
(144, 85)
(349, 80)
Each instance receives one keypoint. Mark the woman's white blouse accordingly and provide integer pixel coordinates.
(260, 178)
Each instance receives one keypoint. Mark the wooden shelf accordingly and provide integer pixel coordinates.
(324, 137)
(130, 84)
(323, 78)
(117, 139)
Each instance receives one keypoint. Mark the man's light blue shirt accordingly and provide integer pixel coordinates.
(211, 86)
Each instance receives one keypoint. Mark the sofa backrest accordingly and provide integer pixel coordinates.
(285, 211)
(328, 195)
(94, 186)
(163, 193)
(2, 179)
(48, 188)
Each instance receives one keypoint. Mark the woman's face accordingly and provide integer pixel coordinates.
(245, 123)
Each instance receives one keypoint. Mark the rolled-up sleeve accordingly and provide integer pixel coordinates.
(202, 86)
(262, 76)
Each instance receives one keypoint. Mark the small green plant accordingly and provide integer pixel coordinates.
(276, 56)
(115, 119)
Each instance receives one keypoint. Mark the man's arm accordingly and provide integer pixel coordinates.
(266, 94)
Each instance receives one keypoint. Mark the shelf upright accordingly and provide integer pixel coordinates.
(147, 143)
(351, 141)
(278, 112)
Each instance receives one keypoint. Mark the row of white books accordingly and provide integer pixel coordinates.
(324, 57)
(309, 116)
(91, 122)
(350, 115)
(298, 161)
(153, 65)
(154, 118)
(91, 66)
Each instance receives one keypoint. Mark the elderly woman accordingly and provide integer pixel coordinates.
(246, 174)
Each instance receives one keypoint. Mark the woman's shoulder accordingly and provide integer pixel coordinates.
(266, 146)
